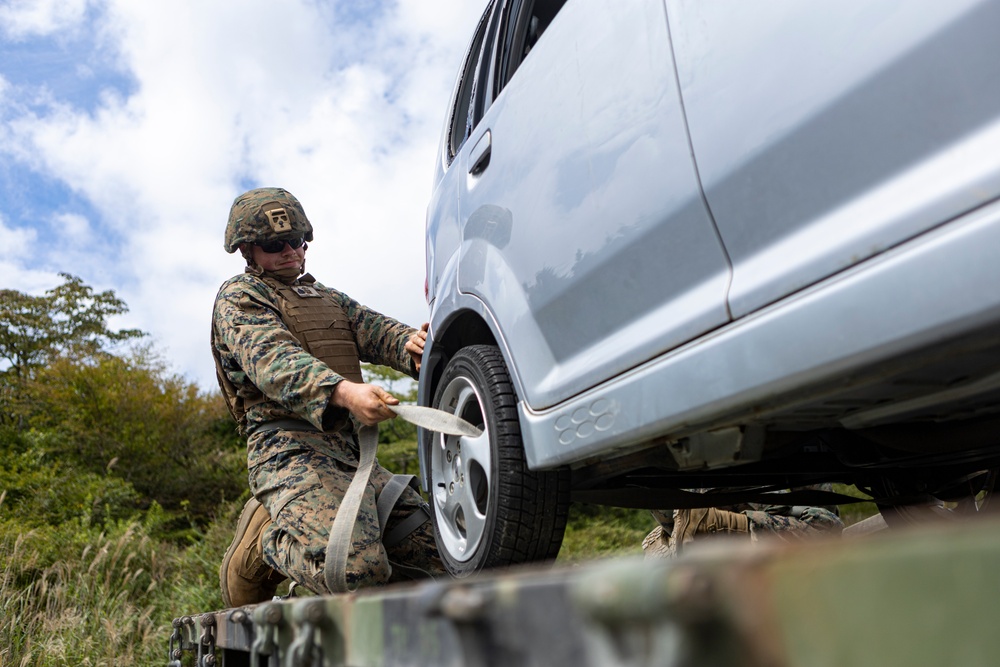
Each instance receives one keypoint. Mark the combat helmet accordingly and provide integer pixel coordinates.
(265, 214)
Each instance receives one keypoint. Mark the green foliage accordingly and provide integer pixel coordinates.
(399, 457)
(69, 319)
(111, 473)
(400, 385)
(77, 594)
(596, 531)
(126, 418)
(95, 435)
(38, 490)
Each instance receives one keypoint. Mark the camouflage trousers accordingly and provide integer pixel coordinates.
(792, 523)
(301, 480)
(788, 524)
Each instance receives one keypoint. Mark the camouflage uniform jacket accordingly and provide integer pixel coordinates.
(262, 358)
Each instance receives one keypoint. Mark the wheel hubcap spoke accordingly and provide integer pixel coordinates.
(476, 452)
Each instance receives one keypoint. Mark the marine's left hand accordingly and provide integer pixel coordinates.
(415, 344)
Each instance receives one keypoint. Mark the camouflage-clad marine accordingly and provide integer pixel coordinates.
(790, 524)
(287, 352)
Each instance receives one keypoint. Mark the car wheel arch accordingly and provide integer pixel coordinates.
(464, 327)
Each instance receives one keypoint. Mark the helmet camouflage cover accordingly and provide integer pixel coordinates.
(266, 214)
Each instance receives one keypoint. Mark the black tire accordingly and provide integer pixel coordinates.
(959, 500)
(489, 509)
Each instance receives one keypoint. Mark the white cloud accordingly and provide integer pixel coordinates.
(344, 116)
(17, 247)
(72, 227)
(25, 18)
(15, 242)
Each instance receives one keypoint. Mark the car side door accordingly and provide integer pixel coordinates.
(583, 226)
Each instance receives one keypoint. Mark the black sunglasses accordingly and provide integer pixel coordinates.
(271, 247)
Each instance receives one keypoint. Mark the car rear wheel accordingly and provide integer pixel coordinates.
(959, 499)
(489, 509)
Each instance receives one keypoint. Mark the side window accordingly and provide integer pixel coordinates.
(524, 22)
(461, 114)
(484, 91)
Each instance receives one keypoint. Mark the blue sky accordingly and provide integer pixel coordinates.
(127, 128)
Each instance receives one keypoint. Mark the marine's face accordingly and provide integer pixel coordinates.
(286, 258)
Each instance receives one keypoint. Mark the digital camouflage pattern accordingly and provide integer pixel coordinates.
(782, 522)
(788, 527)
(262, 359)
(265, 214)
(301, 476)
(302, 489)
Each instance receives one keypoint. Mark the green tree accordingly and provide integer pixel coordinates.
(69, 319)
(129, 418)
(120, 432)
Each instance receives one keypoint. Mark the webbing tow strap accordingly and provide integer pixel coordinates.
(339, 546)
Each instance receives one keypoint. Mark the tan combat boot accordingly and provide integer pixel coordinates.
(679, 528)
(687, 523)
(244, 577)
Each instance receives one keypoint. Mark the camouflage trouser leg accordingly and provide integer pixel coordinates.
(791, 523)
(787, 525)
(303, 487)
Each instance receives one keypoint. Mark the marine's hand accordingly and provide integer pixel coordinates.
(367, 402)
(415, 345)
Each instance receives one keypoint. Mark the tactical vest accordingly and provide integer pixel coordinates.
(319, 324)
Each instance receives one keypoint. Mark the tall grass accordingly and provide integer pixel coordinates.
(95, 609)
(77, 596)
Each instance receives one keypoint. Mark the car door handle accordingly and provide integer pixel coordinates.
(479, 156)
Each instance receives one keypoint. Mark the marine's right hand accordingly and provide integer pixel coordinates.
(367, 402)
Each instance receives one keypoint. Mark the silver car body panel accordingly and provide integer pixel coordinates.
(774, 357)
(828, 131)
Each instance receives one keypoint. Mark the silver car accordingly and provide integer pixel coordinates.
(713, 244)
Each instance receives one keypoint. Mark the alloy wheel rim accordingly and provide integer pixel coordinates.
(460, 472)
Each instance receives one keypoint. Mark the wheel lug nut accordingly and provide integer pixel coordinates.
(451, 488)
